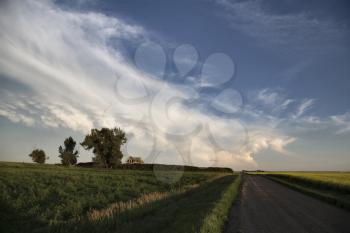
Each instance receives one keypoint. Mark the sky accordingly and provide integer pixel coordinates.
(254, 84)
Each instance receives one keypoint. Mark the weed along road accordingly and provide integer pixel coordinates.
(268, 207)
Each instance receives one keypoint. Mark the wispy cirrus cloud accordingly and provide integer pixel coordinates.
(69, 60)
(299, 30)
(343, 122)
(271, 100)
(291, 116)
(16, 117)
(305, 105)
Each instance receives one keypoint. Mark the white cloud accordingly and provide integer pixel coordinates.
(271, 100)
(305, 105)
(67, 61)
(299, 30)
(65, 58)
(342, 121)
(268, 97)
(17, 117)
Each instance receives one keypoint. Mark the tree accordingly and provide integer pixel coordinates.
(106, 144)
(67, 154)
(38, 156)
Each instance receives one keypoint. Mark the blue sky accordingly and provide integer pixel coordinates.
(243, 84)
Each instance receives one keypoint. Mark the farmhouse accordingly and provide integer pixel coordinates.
(133, 160)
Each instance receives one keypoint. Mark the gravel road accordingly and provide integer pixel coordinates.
(268, 207)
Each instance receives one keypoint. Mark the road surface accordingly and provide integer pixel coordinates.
(264, 206)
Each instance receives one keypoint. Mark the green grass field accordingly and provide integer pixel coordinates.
(333, 187)
(48, 198)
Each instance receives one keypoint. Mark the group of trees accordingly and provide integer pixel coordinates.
(105, 144)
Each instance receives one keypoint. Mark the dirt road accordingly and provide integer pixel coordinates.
(267, 207)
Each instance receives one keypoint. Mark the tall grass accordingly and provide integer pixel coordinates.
(216, 218)
(187, 212)
(34, 197)
(119, 207)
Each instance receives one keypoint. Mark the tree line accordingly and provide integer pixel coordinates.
(105, 143)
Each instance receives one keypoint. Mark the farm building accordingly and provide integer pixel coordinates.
(133, 160)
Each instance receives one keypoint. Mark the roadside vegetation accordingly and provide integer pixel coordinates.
(197, 210)
(333, 187)
(214, 222)
(49, 198)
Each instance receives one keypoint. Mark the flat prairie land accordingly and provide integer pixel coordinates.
(49, 198)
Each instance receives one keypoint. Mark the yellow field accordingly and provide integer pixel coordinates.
(334, 178)
(333, 187)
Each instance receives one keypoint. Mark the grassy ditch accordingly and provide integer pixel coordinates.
(200, 209)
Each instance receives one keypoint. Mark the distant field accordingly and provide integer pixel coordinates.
(333, 187)
(48, 198)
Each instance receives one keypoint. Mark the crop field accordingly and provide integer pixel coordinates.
(49, 198)
(333, 187)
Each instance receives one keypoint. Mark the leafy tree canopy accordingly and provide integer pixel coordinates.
(106, 144)
(67, 154)
(38, 156)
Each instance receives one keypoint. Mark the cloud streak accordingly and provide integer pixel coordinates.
(343, 122)
(299, 30)
(304, 106)
(69, 62)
